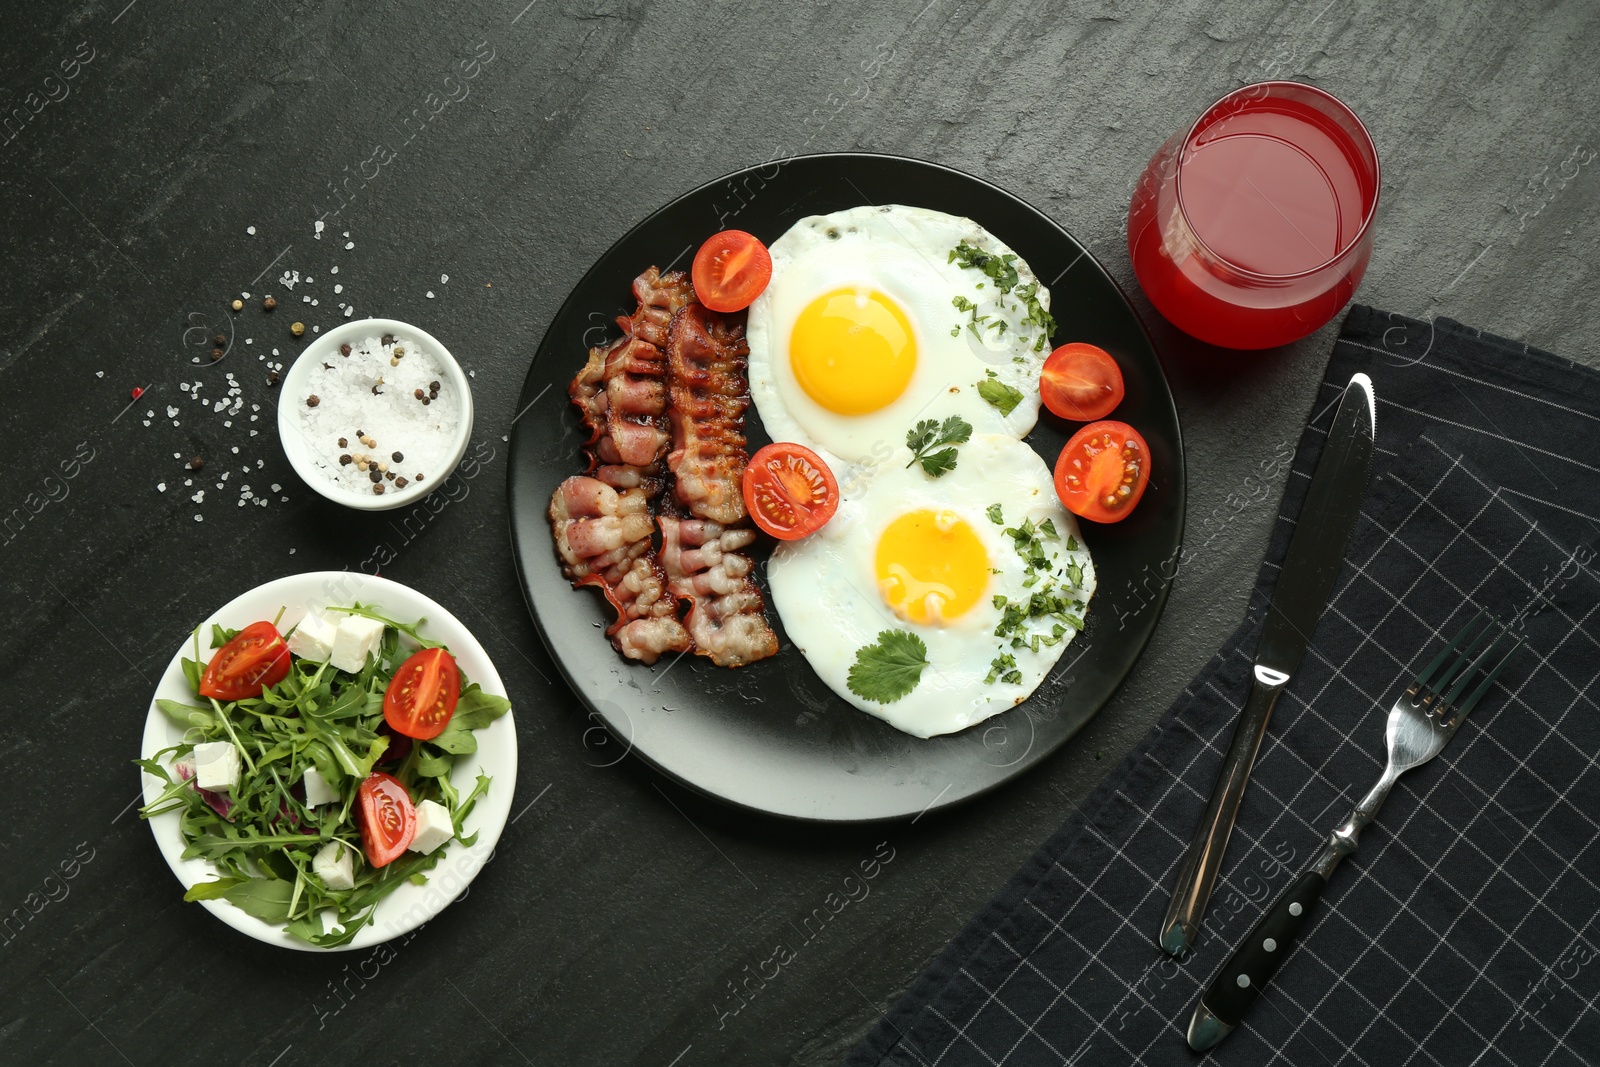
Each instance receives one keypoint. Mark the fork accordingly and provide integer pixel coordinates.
(1421, 723)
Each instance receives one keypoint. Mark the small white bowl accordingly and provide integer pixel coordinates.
(325, 348)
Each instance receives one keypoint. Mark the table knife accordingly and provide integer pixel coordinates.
(1316, 551)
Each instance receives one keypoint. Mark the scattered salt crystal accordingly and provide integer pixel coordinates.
(348, 310)
(291, 551)
(147, 422)
(444, 279)
(316, 329)
(252, 432)
(196, 359)
(161, 487)
(255, 407)
(318, 227)
(171, 411)
(151, 414)
(199, 517)
(309, 279)
(274, 351)
(199, 496)
(177, 455)
(99, 374)
(249, 340)
(228, 423)
(338, 288)
(174, 422)
(430, 294)
(349, 245)
(347, 233)
(276, 487)
(224, 474)
(251, 230)
(260, 463)
(241, 502)
(333, 270)
(253, 418)
(236, 448)
(472, 374)
(188, 481)
(245, 295)
(305, 299)
(284, 500)
(184, 386)
(314, 303)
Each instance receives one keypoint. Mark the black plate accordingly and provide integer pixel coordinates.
(771, 736)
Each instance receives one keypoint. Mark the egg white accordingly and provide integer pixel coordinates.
(826, 592)
(903, 252)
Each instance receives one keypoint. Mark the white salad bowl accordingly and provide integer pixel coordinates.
(324, 349)
(410, 905)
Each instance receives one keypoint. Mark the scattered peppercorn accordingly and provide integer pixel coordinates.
(376, 391)
(238, 305)
(268, 304)
(196, 462)
(361, 435)
(343, 443)
(220, 339)
(417, 393)
(216, 354)
(370, 442)
(426, 401)
(419, 477)
(344, 350)
(400, 482)
(345, 460)
(298, 329)
(375, 475)
(383, 466)
(272, 377)
(377, 490)
(388, 476)
(399, 353)
(433, 387)
(388, 338)
(313, 400)
(397, 457)
(394, 361)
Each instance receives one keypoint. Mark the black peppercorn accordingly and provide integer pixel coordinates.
(397, 457)
(344, 350)
(375, 475)
(313, 400)
(346, 459)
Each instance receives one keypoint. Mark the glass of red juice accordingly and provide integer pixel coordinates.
(1253, 228)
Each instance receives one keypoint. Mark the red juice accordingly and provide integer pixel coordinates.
(1252, 229)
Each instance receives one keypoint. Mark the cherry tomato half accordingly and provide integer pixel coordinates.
(730, 270)
(789, 491)
(388, 818)
(422, 694)
(1081, 382)
(1102, 471)
(256, 658)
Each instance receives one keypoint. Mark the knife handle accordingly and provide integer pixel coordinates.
(1236, 986)
(1204, 859)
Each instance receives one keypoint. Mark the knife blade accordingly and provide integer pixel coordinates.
(1305, 580)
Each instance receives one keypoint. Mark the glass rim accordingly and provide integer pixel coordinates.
(1343, 110)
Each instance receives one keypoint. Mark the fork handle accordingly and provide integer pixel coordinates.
(1236, 986)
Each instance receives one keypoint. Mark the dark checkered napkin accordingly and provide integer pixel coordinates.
(1465, 930)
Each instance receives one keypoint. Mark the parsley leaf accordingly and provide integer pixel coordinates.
(890, 669)
(1002, 396)
(995, 515)
(928, 435)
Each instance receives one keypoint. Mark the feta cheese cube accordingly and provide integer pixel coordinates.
(318, 791)
(354, 638)
(434, 827)
(216, 766)
(313, 638)
(332, 865)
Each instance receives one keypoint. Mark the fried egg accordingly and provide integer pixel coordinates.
(982, 565)
(869, 326)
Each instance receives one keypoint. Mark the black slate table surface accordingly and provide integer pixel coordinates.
(505, 145)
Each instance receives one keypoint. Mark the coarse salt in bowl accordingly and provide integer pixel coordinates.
(343, 418)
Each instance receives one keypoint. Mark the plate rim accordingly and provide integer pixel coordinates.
(489, 817)
(1159, 597)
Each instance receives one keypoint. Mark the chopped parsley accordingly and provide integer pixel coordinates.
(1002, 396)
(1003, 667)
(886, 671)
(1003, 272)
(928, 435)
(995, 515)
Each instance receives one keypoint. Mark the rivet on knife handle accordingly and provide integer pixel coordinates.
(1204, 858)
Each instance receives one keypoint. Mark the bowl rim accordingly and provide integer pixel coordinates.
(294, 448)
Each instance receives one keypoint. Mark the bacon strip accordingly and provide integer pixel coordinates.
(703, 566)
(604, 540)
(602, 524)
(706, 357)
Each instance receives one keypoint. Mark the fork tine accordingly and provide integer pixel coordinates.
(1472, 668)
(1488, 680)
(1466, 655)
(1446, 652)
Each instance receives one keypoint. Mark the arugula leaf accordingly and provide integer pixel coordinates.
(475, 710)
(187, 715)
(1002, 396)
(886, 671)
(265, 898)
(216, 890)
(928, 435)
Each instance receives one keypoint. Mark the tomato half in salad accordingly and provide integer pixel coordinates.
(255, 658)
(1081, 382)
(789, 491)
(1103, 470)
(731, 270)
(388, 818)
(422, 694)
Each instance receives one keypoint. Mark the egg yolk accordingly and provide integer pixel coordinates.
(853, 351)
(931, 566)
